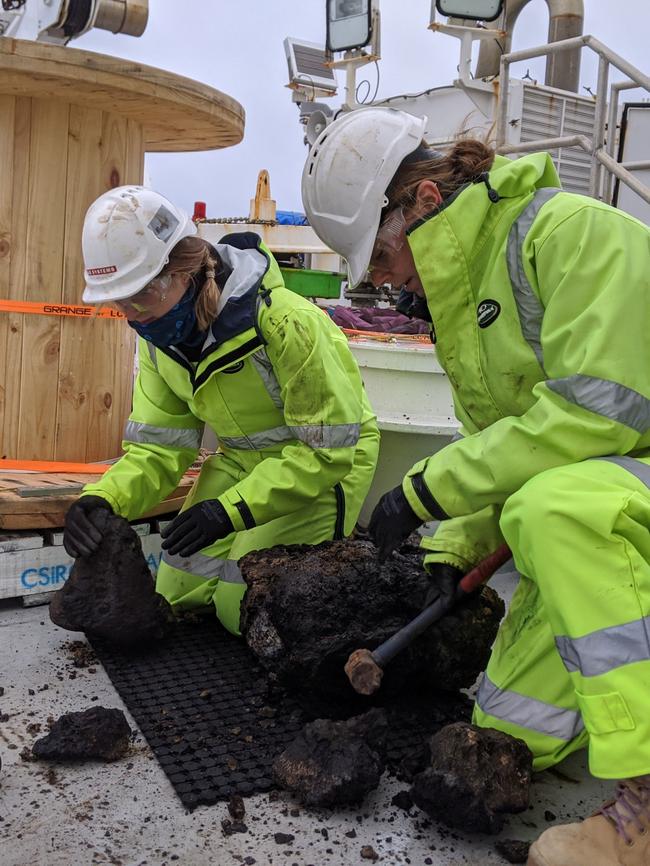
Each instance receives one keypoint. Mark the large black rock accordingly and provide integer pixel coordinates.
(111, 594)
(477, 776)
(308, 607)
(334, 763)
(95, 733)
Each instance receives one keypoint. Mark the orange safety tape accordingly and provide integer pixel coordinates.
(385, 337)
(53, 466)
(41, 309)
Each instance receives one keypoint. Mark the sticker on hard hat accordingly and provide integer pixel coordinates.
(98, 272)
(487, 312)
(163, 223)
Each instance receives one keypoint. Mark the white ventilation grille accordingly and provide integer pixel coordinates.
(549, 114)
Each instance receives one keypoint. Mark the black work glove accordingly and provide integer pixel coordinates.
(444, 582)
(81, 537)
(392, 521)
(196, 528)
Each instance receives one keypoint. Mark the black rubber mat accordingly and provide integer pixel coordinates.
(202, 704)
(207, 710)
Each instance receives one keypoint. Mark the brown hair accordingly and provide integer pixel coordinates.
(462, 163)
(191, 256)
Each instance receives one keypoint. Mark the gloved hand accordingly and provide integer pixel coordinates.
(444, 582)
(196, 528)
(81, 537)
(392, 521)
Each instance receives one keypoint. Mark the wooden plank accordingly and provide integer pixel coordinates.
(48, 512)
(11, 382)
(13, 505)
(84, 343)
(7, 126)
(112, 350)
(27, 492)
(43, 279)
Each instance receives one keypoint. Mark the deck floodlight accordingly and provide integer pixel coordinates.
(482, 10)
(349, 24)
(307, 70)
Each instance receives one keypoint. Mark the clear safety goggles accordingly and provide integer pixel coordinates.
(391, 237)
(149, 298)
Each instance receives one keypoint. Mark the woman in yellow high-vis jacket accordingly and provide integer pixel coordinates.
(222, 343)
(540, 309)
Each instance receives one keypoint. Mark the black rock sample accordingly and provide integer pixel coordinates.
(334, 763)
(477, 775)
(308, 607)
(95, 733)
(111, 593)
(513, 850)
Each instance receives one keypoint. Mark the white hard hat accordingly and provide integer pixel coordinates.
(127, 236)
(347, 173)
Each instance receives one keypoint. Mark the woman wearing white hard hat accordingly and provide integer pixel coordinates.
(540, 308)
(223, 343)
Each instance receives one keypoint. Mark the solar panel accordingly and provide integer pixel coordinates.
(306, 61)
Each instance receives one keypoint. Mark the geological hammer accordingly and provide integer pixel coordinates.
(364, 667)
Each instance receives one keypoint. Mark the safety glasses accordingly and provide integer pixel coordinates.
(149, 298)
(391, 237)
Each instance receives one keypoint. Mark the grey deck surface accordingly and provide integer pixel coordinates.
(127, 812)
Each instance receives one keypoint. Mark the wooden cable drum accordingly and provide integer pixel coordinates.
(74, 124)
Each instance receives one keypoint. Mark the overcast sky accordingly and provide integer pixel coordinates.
(237, 47)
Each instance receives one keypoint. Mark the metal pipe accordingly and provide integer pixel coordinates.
(600, 48)
(636, 165)
(566, 19)
(548, 144)
(122, 16)
(596, 175)
(623, 175)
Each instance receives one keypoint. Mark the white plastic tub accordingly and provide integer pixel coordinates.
(410, 393)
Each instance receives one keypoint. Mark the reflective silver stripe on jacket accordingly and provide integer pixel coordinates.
(530, 713)
(264, 367)
(152, 354)
(314, 435)
(529, 307)
(609, 399)
(606, 649)
(609, 648)
(635, 467)
(208, 567)
(170, 437)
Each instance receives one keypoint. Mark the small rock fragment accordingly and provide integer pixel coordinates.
(369, 853)
(476, 776)
(95, 733)
(236, 807)
(333, 763)
(402, 800)
(229, 827)
(513, 850)
(283, 838)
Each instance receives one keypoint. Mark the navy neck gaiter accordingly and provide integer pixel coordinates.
(174, 327)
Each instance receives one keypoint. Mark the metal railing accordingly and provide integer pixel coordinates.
(600, 145)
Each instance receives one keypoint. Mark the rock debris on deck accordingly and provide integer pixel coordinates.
(126, 813)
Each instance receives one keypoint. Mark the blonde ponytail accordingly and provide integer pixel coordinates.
(192, 256)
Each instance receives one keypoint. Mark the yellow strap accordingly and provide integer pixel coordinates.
(41, 309)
